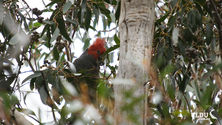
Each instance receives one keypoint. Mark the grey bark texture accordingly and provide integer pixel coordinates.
(136, 27)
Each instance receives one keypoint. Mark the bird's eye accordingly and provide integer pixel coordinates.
(98, 52)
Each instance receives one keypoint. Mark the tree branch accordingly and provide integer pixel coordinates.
(218, 20)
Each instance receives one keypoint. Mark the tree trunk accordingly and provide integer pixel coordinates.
(136, 34)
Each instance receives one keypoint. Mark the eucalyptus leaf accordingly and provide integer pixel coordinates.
(55, 35)
(36, 74)
(62, 28)
(66, 7)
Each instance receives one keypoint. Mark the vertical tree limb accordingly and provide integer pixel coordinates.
(136, 28)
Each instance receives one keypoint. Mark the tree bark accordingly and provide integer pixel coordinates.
(136, 26)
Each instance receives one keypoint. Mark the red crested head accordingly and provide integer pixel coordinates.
(97, 48)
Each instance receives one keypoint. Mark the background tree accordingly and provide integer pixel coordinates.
(184, 77)
(136, 27)
(187, 61)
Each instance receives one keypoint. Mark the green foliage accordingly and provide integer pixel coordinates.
(186, 59)
(53, 32)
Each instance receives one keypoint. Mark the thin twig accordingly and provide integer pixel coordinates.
(50, 102)
(109, 29)
(34, 119)
(53, 114)
(17, 76)
(68, 52)
(25, 71)
(44, 3)
(29, 62)
(28, 7)
(187, 102)
(26, 4)
(218, 20)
